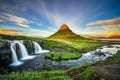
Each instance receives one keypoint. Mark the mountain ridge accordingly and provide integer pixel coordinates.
(65, 33)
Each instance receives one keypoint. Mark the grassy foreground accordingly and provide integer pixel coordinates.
(87, 71)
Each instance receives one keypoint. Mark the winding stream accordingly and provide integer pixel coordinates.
(37, 63)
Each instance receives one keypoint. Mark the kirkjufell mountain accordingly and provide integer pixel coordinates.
(65, 33)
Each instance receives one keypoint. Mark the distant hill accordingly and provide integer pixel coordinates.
(65, 33)
(114, 37)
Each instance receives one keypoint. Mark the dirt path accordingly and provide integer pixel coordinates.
(111, 71)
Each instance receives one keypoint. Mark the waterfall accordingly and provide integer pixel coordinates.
(38, 48)
(24, 52)
(15, 61)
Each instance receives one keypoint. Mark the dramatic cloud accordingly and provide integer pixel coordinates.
(8, 31)
(16, 18)
(111, 27)
(35, 16)
(38, 33)
(1, 21)
(57, 19)
(108, 22)
(23, 25)
(20, 21)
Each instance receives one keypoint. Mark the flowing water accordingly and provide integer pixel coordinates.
(23, 52)
(38, 48)
(15, 61)
(91, 56)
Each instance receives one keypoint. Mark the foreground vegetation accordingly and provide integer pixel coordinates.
(60, 49)
(87, 71)
(10, 37)
(62, 56)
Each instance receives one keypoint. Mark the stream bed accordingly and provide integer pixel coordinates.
(39, 61)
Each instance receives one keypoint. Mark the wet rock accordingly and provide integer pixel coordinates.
(47, 67)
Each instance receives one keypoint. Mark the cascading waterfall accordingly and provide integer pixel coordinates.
(38, 48)
(24, 52)
(15, 61)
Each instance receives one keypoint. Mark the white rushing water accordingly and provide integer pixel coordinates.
(89, 56)
(24, 52)
(15, 61)
(38, 48)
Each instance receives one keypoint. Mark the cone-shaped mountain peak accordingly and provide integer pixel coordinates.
(64, 27)
(64, 33)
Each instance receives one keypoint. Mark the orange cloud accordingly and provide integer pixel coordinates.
(117, 32)
(8, 31)
(111, 26)
(109, 22)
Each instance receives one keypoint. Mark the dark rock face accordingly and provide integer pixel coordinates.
(30, 46)
(5, 54)
(4, 45)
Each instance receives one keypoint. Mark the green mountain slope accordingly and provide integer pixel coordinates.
(65, 33)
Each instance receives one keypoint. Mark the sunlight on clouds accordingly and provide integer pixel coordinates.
(17, 20)
(8, 31)
(23, 25)
(111, 27)
(58, 19)
(1, 21)
(109, 22)
(37, 33)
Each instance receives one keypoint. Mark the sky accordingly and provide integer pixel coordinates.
(41, 18)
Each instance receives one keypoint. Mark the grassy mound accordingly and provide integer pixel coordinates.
(62, 56)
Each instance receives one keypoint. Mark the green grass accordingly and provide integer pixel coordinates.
(57, 46)
(77, 69)
(114, 59)
(90, 73)
(18, 37)
(44, 75)
(62, 56)
(74, 45)
(1, 39)
(86, 45)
